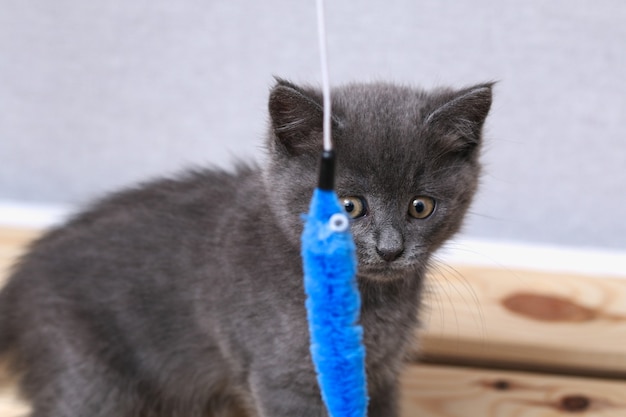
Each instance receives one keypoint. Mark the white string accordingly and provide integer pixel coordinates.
(321, 31)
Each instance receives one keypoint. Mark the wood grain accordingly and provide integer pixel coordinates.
(13, 242)
(439, 391)
(10, 404)
(547, 321)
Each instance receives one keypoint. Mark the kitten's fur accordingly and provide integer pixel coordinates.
(184, 297)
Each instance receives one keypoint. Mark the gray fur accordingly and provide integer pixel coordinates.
(184, 297)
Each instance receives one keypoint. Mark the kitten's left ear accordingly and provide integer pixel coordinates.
(296, 116)
(460, 119)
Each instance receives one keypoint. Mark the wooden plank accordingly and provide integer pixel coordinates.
(12, 244)
(439, 391)
(526, 319)
(16, 238)
(10, 404)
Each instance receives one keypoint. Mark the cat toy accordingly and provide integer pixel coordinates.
(333, 299)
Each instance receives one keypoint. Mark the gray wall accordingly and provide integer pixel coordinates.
(94, 95)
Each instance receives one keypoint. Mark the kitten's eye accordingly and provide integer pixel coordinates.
(354, 206)
(421, 207)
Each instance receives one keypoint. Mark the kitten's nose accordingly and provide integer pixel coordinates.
(390, 254)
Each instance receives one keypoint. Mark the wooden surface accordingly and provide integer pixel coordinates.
(12, 243)
(498, 318)
(528, 320)
(10, 405)
(440, 391)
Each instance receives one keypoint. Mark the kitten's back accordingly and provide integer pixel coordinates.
(127, 269)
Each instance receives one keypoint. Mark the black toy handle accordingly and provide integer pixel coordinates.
(327, 171)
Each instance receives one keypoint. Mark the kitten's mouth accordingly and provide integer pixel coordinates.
(382, 272)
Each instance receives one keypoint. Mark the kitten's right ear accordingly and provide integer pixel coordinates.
(296, 118)
(459, 119)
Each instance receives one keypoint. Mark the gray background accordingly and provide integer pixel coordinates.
(96, 95)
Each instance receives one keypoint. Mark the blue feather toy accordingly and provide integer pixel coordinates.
(333, 299)
(333, 305)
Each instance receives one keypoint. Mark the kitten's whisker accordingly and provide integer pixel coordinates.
(436, 299)
(486, 216)
(436, 268)
(451, 271)
(460, 247)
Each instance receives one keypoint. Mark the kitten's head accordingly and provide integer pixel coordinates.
(407, 165)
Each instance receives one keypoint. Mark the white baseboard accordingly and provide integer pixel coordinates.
(32, 216)
(463, 251)
(598, 262)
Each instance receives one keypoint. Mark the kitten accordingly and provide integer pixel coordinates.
(184, 297)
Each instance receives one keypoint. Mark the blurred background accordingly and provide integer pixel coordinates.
(98, 95)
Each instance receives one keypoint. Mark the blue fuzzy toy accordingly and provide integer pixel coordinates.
(333, 305)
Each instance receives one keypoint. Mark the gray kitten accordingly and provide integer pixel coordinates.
(184, 297)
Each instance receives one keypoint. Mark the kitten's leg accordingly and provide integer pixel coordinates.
(233, 407)
(69, 395)
(60, 380)
(384, 402)
(81, 403)
(231, 412)
(287, 397)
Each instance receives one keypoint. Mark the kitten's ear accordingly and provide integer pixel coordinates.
(296, 117)
(459, 120)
